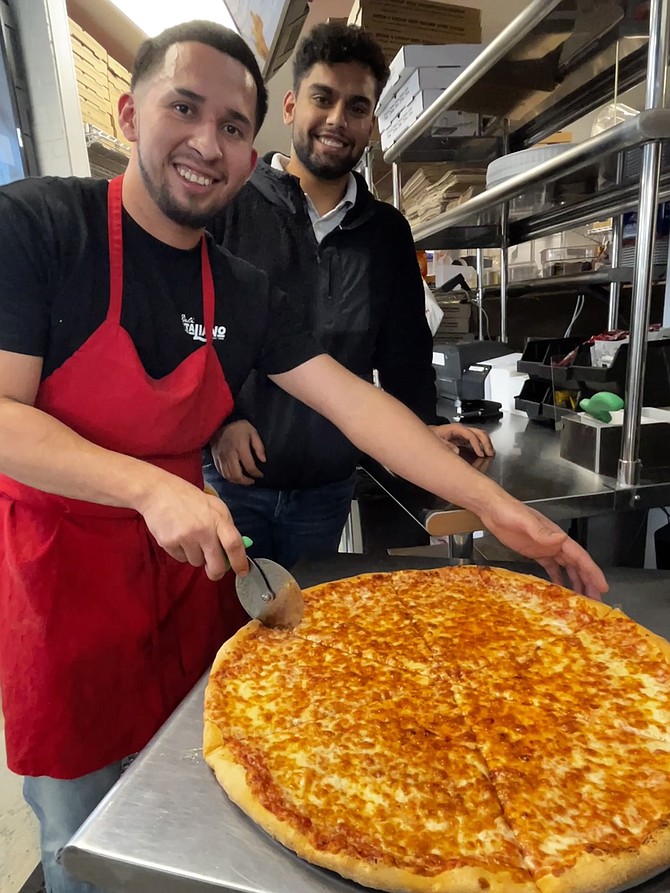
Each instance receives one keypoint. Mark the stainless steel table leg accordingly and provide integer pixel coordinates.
(352, 535)
(461, 546)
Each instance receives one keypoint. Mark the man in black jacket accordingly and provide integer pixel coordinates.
(348, 264)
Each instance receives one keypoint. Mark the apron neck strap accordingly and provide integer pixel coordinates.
(115, 237)
(208, 294)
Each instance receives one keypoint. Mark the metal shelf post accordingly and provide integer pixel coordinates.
(395, 175)
(659, 38)
(615, 255)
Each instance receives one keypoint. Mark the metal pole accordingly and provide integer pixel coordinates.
(367, 162)
(480, 293)
(617, 222)
(615, 255)
(657, 61)
(504, 244)
(395, 174)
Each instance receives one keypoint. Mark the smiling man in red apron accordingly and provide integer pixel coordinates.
(124, 336)
(116, 333)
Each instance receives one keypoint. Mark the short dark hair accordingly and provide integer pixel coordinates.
(335, 42)
(152, 53)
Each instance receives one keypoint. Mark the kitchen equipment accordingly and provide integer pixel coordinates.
(534, 198)
(596, 445)
(270, 594)
(461, 374)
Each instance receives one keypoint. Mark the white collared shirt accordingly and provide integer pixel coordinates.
(331, 219)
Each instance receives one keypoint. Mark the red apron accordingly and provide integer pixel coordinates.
(101, 632)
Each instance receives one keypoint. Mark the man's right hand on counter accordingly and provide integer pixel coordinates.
(235, 450)
(530, 533)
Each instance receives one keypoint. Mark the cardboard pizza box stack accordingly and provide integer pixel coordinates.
(418, 76)
(100, 81)
(395, 23)
(119, 83)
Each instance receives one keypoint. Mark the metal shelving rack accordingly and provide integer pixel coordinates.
(107, 155)
(549, 67)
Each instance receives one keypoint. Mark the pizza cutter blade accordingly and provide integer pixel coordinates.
(270, 594)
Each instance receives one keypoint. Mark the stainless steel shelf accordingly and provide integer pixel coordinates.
(478, 219)
(573, 282)
(470, 151)
(551, 65)
(107, 155)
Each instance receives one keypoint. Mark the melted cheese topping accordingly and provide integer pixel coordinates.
(431, 720)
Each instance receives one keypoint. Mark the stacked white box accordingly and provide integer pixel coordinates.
(419, 75)
(451, 123)
(422, 79)
(411, 57)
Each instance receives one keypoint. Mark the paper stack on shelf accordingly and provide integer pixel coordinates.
(430, 191)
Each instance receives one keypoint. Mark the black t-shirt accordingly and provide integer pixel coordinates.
(54, 288)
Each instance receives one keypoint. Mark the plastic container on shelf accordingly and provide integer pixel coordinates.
(535, 198)
(521, 272)
(568, 261)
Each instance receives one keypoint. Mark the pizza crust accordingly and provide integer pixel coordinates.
(598, 608)
(614, 871)
(662, 644)
(233, 643)
(232, 778)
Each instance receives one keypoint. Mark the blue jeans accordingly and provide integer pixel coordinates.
(287, 525)
(62, 807)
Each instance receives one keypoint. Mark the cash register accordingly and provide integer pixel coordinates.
(461, 371)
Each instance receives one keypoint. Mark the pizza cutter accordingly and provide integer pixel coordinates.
(270, 594)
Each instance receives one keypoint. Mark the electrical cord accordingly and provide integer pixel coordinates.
(486, 317)
(579, 306)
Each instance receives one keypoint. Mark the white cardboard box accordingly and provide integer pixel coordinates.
(420, 79)
(415, 56)
(428, 97)
(451, 123)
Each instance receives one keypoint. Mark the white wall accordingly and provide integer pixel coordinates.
(45, 39)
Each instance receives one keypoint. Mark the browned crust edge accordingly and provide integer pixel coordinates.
(232, 778)
(614, 871)
(233, 643)
(314, 590)
(662, 644)
(597, 607)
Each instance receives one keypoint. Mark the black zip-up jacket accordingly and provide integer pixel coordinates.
(359, 292)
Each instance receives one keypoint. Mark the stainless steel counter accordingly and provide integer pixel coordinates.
(527, 464)
(167, 826)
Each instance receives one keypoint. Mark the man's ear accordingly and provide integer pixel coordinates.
(372, 126)
(254, 159)
(289, 107)
(128, 117)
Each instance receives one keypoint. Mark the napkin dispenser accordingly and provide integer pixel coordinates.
(597, 445)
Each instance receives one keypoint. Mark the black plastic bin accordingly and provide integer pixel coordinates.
(536, 362)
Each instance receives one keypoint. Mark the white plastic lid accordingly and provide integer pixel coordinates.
(519, 162)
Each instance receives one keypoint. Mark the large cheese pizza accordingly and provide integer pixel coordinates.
(461, 730)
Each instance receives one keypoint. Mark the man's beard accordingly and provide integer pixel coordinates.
(325, 170)
(175, 212)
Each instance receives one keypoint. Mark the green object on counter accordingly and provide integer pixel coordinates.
(247, 541)
(601, 405)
